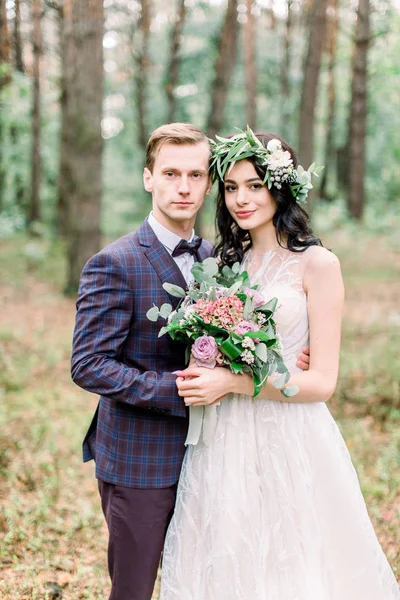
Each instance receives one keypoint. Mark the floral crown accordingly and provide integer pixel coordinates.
(278, 163)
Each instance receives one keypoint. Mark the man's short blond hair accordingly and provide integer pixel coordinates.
(173, 133)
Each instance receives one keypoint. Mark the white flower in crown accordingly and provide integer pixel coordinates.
(278, 163)
(279, 159)
(274, 145)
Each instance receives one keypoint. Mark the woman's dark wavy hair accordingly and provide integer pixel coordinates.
(292, 224)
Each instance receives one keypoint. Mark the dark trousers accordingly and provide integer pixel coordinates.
(137, 521)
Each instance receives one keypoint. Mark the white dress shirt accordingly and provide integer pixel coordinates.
(170, 240)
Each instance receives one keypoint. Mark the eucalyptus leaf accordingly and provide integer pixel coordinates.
(281, 367)
(194, 294)
(174, 290)
(289, 391)
(177, 316)
(280, 382)
(210, 265)
(165, 310)
(270, 330)
(236, 267)
(248, 308)
(234, 288)
(261, 352)
(153, 313)
(203, 288)
(227, 272)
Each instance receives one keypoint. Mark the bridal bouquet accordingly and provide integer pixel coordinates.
(224, 321)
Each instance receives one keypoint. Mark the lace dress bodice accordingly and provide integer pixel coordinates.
(279, 273)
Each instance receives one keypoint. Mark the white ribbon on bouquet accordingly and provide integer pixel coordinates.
(202, 421)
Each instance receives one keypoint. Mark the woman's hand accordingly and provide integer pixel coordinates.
(303, 359)
(200, 386)
(192, 361)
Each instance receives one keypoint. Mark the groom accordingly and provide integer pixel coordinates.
(137, 434)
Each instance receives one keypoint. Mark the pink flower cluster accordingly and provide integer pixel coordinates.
(224, 312)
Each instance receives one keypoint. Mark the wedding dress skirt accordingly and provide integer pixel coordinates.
(270, 508)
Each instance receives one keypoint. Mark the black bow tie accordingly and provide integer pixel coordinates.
(185, 246)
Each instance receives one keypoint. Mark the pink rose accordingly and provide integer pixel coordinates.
(205, 351)
(258, 299)
(245, 326)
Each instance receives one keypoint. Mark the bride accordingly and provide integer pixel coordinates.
(270, 508)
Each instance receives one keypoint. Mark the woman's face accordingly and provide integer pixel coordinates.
(249, 202)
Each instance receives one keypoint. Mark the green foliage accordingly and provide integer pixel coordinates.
(15, 116)
(125, 203)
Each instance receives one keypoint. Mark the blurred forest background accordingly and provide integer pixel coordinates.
(82, 85)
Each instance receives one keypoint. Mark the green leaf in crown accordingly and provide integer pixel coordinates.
(278, 163)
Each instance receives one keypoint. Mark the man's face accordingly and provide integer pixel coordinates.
(178, 183)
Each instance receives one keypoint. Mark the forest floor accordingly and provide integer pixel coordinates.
(52, 534)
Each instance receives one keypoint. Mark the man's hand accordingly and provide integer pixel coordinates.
(201, 387)
(303, 359)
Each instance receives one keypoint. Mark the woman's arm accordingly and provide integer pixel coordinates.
(324, 287)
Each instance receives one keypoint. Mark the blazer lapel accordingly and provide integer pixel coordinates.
(162, 262)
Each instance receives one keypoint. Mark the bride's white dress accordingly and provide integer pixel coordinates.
(271, 508)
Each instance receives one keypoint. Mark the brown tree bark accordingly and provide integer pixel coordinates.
(34, 212)
(333, 26)
(310, 82)
(62, 218)
(223, 68)
(81, 140)
(358, 112)
(5, 79)
(4, 46)
(174, 61)
(285, 70)
(18, 51)
(250, 66)
(141, 70)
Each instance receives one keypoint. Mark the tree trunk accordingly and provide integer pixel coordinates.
(36, 163)
(250, 66)
(310, 82)
(358, 112)
(141, 69)
(223, 68)
(4, 80)
(62, 218)
(82, 143)
(19, 186)
(18, 52)
(333, 26)
(173, 68)
(285, 70)
(4, 45)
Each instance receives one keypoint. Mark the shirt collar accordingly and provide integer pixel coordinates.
(168, 239)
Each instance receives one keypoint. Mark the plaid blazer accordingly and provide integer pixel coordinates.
(138, 431)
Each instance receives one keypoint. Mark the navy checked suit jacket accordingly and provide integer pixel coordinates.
(138, 431)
